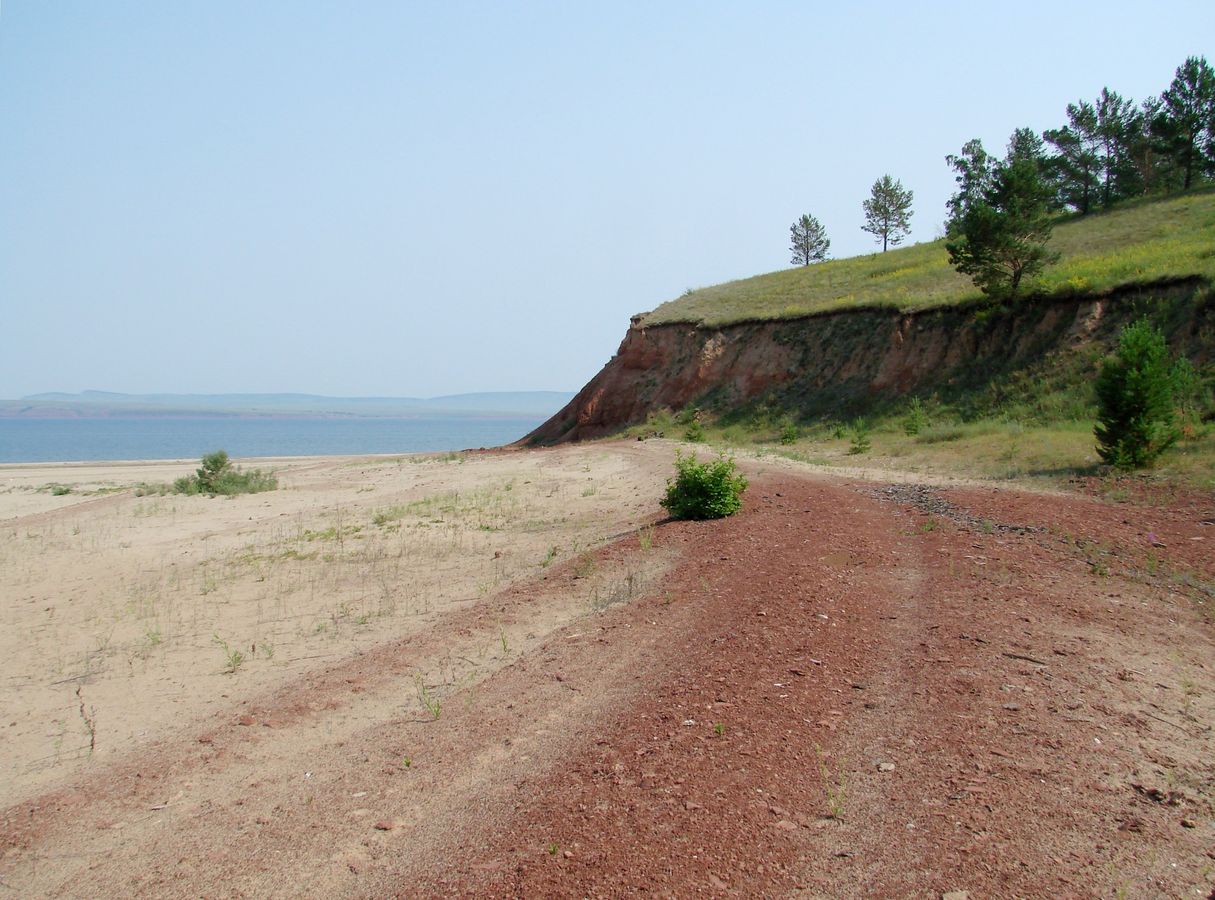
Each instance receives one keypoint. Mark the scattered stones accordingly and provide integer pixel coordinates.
(927, 500)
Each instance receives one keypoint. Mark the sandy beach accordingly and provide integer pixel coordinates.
(125, 616)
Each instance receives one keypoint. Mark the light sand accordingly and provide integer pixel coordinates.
(129, 618)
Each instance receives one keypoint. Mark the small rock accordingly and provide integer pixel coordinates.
(956, 895)
(785, 825)
(246, 720)
(385, 825)
(568, 854)
(206, 738)
(1188, 823)
(716, 883)
(885, 767)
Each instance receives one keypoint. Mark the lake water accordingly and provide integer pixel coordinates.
(67, 440)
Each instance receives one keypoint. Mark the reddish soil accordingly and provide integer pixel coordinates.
(846, 690)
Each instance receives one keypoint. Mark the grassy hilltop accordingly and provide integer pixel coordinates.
(1156, 257)
(1140, 243)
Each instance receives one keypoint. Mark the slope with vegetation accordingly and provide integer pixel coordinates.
(1049, 257)
(1141, 243)
(807, 350)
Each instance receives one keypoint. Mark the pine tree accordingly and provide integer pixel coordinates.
(1000, 237)
(1135, 421)
(1186, 123)
(888, 212)
(1116, 122)
(808, 241)
(1076, 162)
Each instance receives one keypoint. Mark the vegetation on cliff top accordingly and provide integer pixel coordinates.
(1140, 243)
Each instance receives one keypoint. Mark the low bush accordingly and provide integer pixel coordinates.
(709, 490)
(860, 438)
(917, 418)
(217, 475)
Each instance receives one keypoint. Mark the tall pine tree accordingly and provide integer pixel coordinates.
(1075, 164)
(888, 212)
(1186, 122)
(808, 241)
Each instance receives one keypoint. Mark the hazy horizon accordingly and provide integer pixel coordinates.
(418, 201)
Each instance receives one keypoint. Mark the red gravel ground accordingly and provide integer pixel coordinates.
(846, 690)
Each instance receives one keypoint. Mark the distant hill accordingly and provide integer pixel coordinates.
(107, 404)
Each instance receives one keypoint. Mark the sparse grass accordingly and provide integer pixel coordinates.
(147, 489)
(429, 701)
(834, 785)
(332, 533)
(645, 537)
(586, 566)
(233, 659)
(1050, 454)
(1136, 243)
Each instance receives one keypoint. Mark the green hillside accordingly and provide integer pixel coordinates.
(1139, 243)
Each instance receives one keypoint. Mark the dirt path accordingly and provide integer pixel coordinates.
(846, 690)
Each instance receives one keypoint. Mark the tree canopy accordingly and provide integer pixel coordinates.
(888, 212)
(998, 234)
(808, 241)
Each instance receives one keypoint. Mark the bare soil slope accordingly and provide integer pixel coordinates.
(861, 361)
(848, 689)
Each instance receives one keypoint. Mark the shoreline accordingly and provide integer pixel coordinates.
(193, 461)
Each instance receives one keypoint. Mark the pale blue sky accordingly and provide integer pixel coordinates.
(426, 198)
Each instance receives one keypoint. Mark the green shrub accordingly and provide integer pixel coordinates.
(217, 475)
(1135, 418)
(917, 418)
(695, 432)
(704, 490)
(860, 438)
(789, 433)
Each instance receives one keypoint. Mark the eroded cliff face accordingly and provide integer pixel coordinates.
(839, 364)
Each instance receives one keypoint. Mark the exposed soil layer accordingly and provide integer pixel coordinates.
(855, 362)
(842, 691)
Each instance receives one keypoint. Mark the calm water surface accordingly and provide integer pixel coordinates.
(65, 440)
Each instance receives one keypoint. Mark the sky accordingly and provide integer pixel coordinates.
(426, 198)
